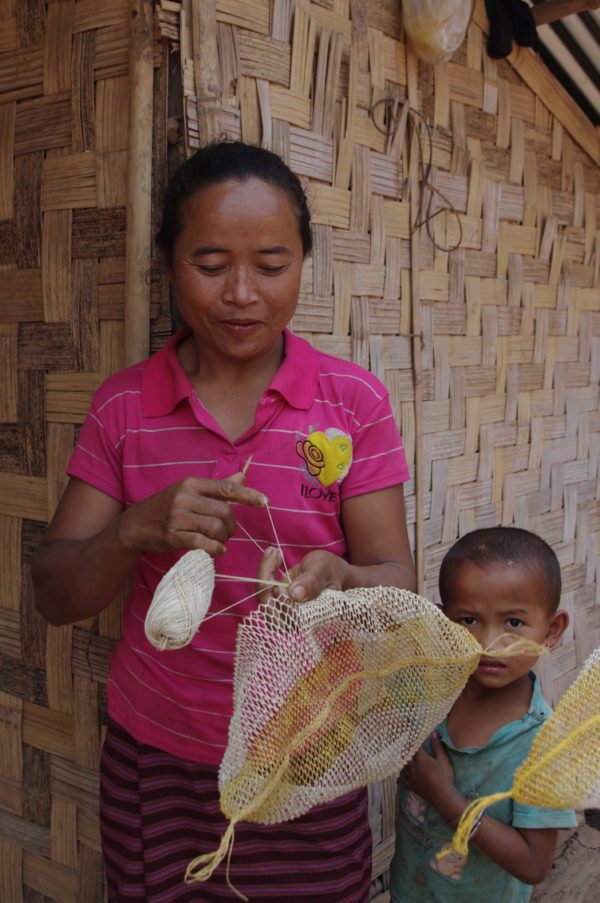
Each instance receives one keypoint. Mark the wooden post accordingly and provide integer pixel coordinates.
(138, 251)
(206, 69)
(415, 193)
(415, 300)
(552, 10)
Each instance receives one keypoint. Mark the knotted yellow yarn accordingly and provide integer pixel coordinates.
(562, 770)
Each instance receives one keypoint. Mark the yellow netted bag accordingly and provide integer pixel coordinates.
(330, 696)
(562, 770)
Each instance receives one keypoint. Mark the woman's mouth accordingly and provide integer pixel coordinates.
(240, 326)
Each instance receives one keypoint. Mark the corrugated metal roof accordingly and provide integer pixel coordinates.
(570, 47)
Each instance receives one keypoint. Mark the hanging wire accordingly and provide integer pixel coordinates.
(392, 118)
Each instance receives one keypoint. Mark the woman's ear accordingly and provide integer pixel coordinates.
(557, 626)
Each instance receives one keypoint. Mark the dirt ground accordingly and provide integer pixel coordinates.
(575, 875)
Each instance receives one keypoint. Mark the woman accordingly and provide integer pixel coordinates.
(151, 477)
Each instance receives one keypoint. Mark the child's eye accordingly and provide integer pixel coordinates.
(515, 622)
(468, 621)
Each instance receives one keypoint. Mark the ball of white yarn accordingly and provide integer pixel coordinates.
(181, 601)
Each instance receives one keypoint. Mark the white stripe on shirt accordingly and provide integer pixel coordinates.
(379, 455)
(357, 378)
(373, 422)
(163, 667)
(186, 708)
(165, 464)
(91, 454)
(119, 395)
(160, 724)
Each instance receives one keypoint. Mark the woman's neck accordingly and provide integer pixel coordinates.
(229, 389)
(206, 367)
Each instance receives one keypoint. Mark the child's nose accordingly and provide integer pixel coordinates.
(491, 638)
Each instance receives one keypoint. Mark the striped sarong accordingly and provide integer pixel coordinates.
(158, 812)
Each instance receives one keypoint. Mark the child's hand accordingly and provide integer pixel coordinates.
(432, 778)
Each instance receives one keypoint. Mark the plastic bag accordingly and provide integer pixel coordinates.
(436, 28)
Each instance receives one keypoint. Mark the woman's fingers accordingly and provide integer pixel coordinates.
(317, 571)
(267, 571)
(191, 541)
(192, 514)
(230, 489)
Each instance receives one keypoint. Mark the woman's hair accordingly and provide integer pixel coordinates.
(504, 546)
(220, 162)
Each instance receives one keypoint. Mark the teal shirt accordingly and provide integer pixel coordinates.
(416, 876)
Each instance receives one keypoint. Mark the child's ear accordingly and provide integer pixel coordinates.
(557, 626)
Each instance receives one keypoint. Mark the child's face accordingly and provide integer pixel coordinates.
(496, 600)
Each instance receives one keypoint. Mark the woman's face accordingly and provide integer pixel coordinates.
(236, 267)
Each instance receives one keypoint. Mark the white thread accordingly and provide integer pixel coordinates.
(181, 601)
(233, 605)
(287, 573)
(184, 595)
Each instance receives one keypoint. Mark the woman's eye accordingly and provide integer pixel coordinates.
(272, 270)
(515, 622)
(211, 271)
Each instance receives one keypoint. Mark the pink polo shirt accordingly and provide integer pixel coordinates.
(323, 432)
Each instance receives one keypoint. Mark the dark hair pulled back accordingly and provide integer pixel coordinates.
(220, 162)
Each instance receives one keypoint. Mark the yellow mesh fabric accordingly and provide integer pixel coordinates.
(562, 770)
(332, 695)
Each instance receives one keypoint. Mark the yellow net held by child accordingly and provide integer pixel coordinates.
(332, 695)
(562, 770)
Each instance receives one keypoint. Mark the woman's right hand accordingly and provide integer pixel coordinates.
(92, 545)
(192, 514)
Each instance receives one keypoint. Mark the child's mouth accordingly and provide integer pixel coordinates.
(491, 666)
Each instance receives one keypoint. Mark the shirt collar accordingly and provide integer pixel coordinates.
(537, 712)
(165, 384)
(297, 377)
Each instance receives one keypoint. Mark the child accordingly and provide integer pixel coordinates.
(495, 582)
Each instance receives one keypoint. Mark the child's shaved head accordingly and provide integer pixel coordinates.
(507, 546)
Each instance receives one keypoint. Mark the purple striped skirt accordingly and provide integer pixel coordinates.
(158, 812)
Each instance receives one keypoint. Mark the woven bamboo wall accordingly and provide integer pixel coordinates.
(64, 91)
(506, 424)
(510, 320)
(509, 414)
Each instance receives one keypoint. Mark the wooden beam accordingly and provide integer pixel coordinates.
(552, 10)
(547, 87)
(138, 248)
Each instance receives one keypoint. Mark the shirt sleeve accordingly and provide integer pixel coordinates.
(378, 459)
(96, 458)
(538, 817)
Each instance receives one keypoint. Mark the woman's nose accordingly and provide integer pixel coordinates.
(240, 288)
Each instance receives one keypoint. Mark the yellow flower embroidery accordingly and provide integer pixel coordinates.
(327, 455)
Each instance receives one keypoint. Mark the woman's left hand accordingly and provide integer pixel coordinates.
(317, 571)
